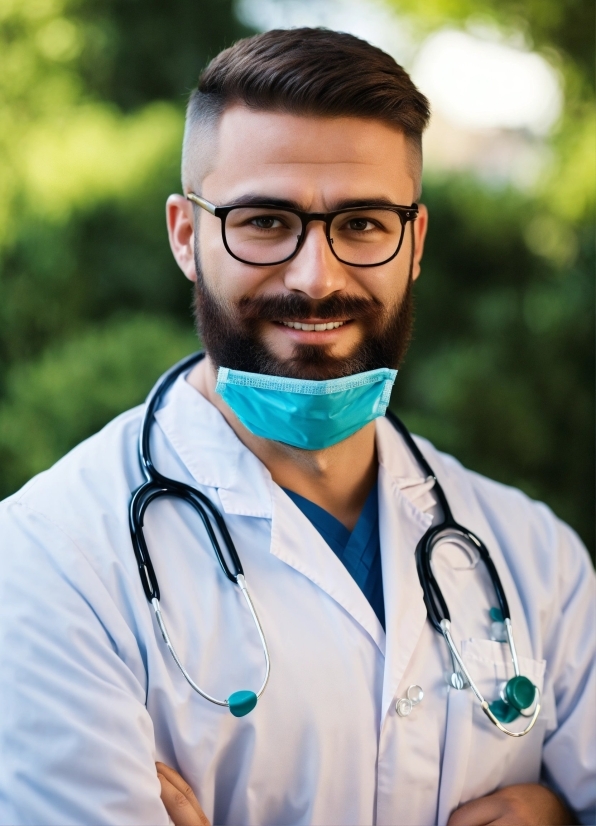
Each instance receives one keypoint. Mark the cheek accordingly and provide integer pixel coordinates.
(230, 280)
(387, 283)
(225, 278)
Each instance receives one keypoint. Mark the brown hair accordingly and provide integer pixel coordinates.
(311, 72)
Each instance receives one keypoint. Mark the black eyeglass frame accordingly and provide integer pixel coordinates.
(405, 213)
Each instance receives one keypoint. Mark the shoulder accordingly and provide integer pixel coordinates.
(108, 453)
(547, 560)
(514, 517)
(83, 498)
(69, 586)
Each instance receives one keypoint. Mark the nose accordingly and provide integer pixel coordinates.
(315, 271)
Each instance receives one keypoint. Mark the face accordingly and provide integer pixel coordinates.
(245, 311)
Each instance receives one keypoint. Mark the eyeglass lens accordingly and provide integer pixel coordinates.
(260, 235)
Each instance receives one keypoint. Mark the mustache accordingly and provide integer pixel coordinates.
(295, 307)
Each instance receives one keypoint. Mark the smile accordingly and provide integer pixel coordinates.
(299, 325)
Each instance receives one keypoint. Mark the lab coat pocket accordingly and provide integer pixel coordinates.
(478, 758)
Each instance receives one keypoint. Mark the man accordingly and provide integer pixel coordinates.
(299, 227)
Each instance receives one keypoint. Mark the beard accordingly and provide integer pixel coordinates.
(233, 339)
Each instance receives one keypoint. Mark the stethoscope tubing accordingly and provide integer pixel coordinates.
(157, 485)
(436, 606)
(433, 598)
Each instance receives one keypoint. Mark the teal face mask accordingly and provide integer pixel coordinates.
(307, 414)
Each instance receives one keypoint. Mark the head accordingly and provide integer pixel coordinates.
(319, 120)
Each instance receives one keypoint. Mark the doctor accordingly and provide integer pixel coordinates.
(325, 518)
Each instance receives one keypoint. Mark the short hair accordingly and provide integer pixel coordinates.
(314, 72)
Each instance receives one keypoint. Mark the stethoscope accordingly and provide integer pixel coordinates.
(518, 697)
(156, 486)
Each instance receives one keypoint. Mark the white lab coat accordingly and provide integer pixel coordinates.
(90, 697)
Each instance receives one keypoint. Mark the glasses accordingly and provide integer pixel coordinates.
(264, 234)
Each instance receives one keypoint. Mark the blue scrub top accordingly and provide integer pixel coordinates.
(359, 550)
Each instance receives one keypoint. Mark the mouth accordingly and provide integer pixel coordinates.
(314, 326)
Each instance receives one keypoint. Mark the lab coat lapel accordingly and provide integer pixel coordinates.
(212, 453)
(295, 541)
(454, 765)
(401, 526)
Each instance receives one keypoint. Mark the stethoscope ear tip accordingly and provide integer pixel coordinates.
(519, 696)
(520, 693)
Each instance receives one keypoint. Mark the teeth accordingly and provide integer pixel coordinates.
(297, 325)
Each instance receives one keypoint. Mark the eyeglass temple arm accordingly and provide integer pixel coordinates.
(206, 205)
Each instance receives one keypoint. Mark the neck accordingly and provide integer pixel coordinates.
(337, 479)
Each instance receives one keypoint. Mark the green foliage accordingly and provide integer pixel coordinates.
(500, 373)
(92, 305)
(92, 98)
(146, 50)
(502, 370)
(75, 388)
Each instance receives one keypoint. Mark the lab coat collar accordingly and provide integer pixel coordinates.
(213, 454)
(403, 497)
(403, 493)
(402, 467)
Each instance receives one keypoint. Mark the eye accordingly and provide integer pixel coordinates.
(266, 222)
(360, 225)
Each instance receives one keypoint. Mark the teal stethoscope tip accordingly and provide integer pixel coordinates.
(503, 711)
(520, 692)
(496, 615)
(242, 702)
(518, 695)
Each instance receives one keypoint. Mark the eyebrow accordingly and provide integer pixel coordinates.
(346, 203)
(258, 199)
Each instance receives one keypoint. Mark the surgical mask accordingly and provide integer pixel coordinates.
(308, 414)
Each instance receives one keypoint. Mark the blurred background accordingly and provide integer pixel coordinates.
(93, 308)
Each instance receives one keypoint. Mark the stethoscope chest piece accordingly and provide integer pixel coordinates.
(520, 693)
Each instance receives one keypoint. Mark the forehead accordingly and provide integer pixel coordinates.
(305, 157)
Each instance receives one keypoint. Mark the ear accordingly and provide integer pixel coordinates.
(420, 227)
(181, 233)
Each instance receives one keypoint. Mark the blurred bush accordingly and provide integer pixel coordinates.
(501, 370)
(74, 388)
(92, 305)
(93, 308)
